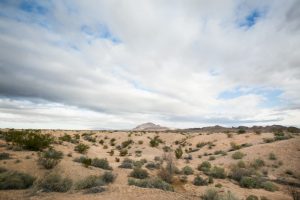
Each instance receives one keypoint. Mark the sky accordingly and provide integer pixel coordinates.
(113, 64)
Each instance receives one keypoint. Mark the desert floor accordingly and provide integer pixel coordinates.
(286, 151)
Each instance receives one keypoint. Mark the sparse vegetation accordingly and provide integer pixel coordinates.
(187, 170)
(81, 148)
(4, 156)
(139, 173)
(14, 180)
(151, 183)
(199, 181)
(178, 152)
(29, 139)
(238, 155)
(50, 158)
(54, 183)
(101, 163)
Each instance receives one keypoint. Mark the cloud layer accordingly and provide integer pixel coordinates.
(114, 64)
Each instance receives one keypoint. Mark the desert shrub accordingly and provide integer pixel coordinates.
(108, 177)
(237, 155)
(29, 139)
(211, 194)
(183, 178)
(4, 156)
(218, 185)
(127, 164)
(210, 180)
(101, 142)
(228, 196)
(212, 158)
(257, 132)
(289, 172)
(238, 173)
(54, 183)
(94, 190)
(257, 163)
(84, 160)
(201, 144)
(241, 164)
(151, 183)
(199, 181)
(126, 143)
(234, 146)
(89, 182)
(269, 186)
(178, 152)
(123, 152)
(50, 158)
(187, 170)
(272, 156)
(268, 140)
(65, 137)
(252, 197)
(250, 182)
(217, 172)
(220, 152)
(81, 148)
(154, 142)
(139, 173)
(152, 165)
(167, 173)
(101, 163)
(14, 180)
(204, 166)
(241, 131)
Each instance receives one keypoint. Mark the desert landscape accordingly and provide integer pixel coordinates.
(151, 162)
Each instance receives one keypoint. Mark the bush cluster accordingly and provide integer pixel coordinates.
(14, 180)
(151, 183)
(50, 158)
(54, 183)
(29, 139)
(81, 148)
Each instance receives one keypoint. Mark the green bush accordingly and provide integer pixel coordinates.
(50, 158)
(101, 163)
(241, 131)
(66, 138)
(139, 173)
(211, 194)
(81, 148)
(238, 173)
(237, 155)
(212, 158)
(152, 165)
(234, 146)
(199, 181)
(29, 139)
(89, 182)
(178, 153)
(154, 142)
(4, 156)
(257, 163)
(269, 186)
(127, 164)
(252, 197)
(151, 183)
(126, 143)
(217, 172)
(15, 180)
(108, 177)
(94, 190)
(249, 182)
(187, 170)
(54, 183)
(204, 166)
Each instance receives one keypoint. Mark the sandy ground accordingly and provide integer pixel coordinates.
(286, 151)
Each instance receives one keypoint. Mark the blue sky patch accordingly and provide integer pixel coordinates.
(33, 7)
(101, 31)
(271, 96)
(252, 18)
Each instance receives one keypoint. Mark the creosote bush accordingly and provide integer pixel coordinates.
(187, 170)
(4, 156)
(101, 163)
(151, 183)
(217, 172)
(199, 181)
(95, 181)
(178, 153)
(237, 155)
(139, 173)
(14, 180)
(50, 158)
(81, 148)
(54, 183)
(29, 139)
(127, 163)
(204, 166)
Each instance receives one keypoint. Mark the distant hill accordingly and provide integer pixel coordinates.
(150, 127)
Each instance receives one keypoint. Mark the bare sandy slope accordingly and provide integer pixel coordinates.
(286, 151)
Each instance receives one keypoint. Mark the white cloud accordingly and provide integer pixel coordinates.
(172, 63)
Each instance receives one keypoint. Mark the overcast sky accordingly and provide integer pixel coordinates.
(96, 64)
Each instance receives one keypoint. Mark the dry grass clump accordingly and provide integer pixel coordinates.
(151, 183)
(14, 180)
(54, 183)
